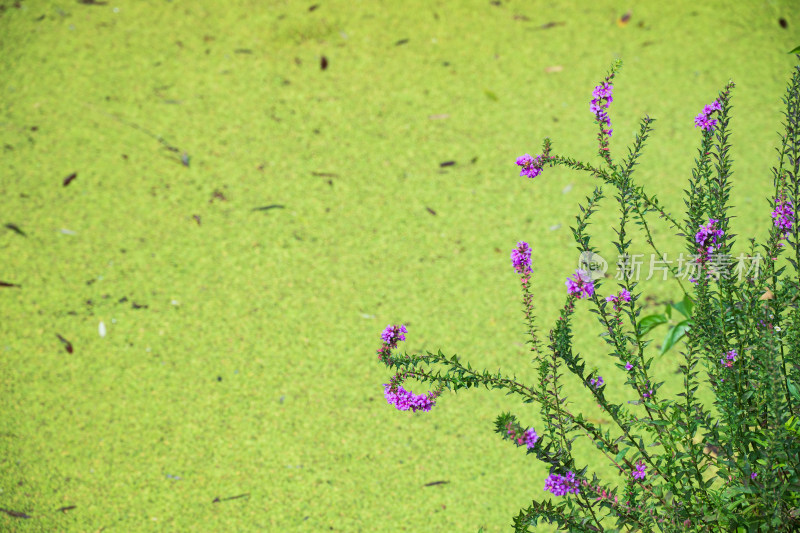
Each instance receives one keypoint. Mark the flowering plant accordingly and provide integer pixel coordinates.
(681, 464)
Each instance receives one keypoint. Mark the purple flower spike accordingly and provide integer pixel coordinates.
(582, 285)
(703, 120)
(530, 438)
(623, 296)
(639, 472)
(596, 382)
(521, 258)
(531, 166)
(561, 485)
(601, 101)
(783, 217)
(730, 358)
(707, 237)
(393, 334)
(604, 90)
(405, 400)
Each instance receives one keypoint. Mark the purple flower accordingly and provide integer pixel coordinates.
(560, 485)
(531, 166)
(530, 438)
(601, 101)
(639, 472)
(604, 90)
(729, 359)
(596, 383)
(405, 400)
(393, 334)
(783, 216)
(753, 475)
(623, 296)
(581, 286)
(707, 237)
(521, 258)
(628, 366)
(703, 120)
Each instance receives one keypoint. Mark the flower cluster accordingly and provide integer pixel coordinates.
(623, 296)
(729, 359)
(703, 120)
(596, 382)
(393, 334)
(647, 391)
(561, 485)
(707, 237)
(601, 100)
(783, 216)
(405, 400)
(521, 258)
(639, 472)
(530, 438)
(531, 166)
(581, 286)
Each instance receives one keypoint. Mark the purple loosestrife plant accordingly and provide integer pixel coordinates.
(729, 359)
(704, 120)
(521, 258)
(601, 101)
(597, 382)
(639, 471)
(405, 400)
(560, 485)
(623, 296)
(680, 464)
(528, 437)
(531, 166)
(580, 285)
(783, 216)
(602, 98)
(706, 237)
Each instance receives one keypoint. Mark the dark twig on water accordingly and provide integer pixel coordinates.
(218, 499)
(15, 514)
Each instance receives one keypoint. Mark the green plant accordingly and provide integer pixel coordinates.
(677, 330)
(682, 465)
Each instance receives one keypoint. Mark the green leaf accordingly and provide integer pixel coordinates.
(793, 425)
(793, 389)
(490, 95)
(675, 334)
(621, 454)
(649, 322)
(685, 307)
(795, 51)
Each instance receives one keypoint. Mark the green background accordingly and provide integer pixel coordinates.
(239, 358)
